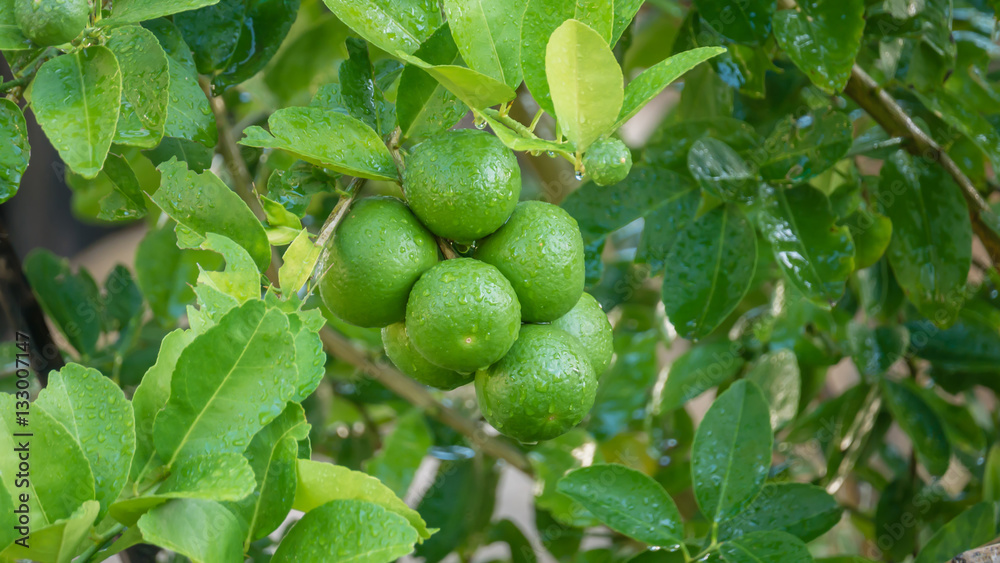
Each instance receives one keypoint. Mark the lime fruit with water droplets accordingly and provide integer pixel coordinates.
(377, 254)
(462, 184)
(540, 250)
(463, 315)
(543, 387)
(607, 162)
(51, 22)
(404, 356)
(588, 323)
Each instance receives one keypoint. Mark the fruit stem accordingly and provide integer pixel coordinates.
(338, 346)
(101, 541)
(332, 222)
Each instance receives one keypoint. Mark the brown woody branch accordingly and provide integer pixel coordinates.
(339, 346)
(987, 554)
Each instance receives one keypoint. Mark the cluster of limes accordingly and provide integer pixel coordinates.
(511, 313)
(51, 22)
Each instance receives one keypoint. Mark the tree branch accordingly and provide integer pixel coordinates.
(339, 346)
(987, 554)
(887, 112)
(242, 181)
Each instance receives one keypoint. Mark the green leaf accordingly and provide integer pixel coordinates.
(359, 92)
(585, 82)
(240, 278)
(150, 397)
(189, 115)
(513, 138)
(643, 88)
(812, 251)
(212, 32)
(14, 148)
(320, 483)
(166, 273)
(803, 510)
(125, 201)
(265, 26)
(76, 98)
(896, 503)
(219, 395)
(553, 459)
(368, 534)
(802, 148)
(670, 144)
(11, 38)
(135, 11)
(931, 247)
(972, 528)
(201, 530)
(460, 505)
(698, 370)
(402, 452)
(272, 454)
(201, 203)
(390, 26)
(145, 85)
(991, 475)
(920, 423)
(731, 454)
(628, 502)
(521, 550)
(541, 18)
(765, 547)
(874, 350)
(625, 11)
(51, 495)
(310, 359)
(197, 156)
(956, 112)
(871, 233)
(307, 133)
(745, 22)
(61, 541)
(488, 34)
(172, 41)
(777, 375)
(721, 172)
(429, 107)
(822, 39)
(86, 403)
(214, 476)
(298, 262)
(475, 89)
(711, 265)
(71, 301)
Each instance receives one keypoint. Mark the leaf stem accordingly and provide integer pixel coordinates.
(340, 347)
(100, 542)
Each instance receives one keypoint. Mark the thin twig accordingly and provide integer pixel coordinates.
(887, 112)
(446, 249)
(340, 347)
(242, 181)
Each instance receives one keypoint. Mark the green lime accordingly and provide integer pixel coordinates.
(51, 22)
(462, 184)
(540, 251)
(463, 315)
(376, 256)
(588, 323)
(405, 357)
(607, 162)
(543, 387)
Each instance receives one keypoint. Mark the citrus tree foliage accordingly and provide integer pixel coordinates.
(815, 190)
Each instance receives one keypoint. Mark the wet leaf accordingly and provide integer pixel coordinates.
(874, 350)
(920, 423)
(361, 96)
(402, 453)
(746, 22)
(812, 251)
(135, 11)
(125, 201)
(76, 99)
(972, 528)
(552, 460)
(822, 39)
(628, 502)
(643, 88)
(219, 396)
(800, 149)
(307, 133)
(429, 107)
(87, 404)
(585, 82)
(541, 18)
(188, 114)
(201, 530)
(731, 454)
(803, 510)
(765, 547)
(11, 38)
(212, 32)
(14, 148)
(777, 375)
(711, 266)
(165, 273)
(71, 301)
(263, 29)
(721, 172)
(931, 247)
(488, 34)
(670, 144)
(698, 370)
(367, 533)
(298, 262)
(475, 89)
(58, 542)
(871, 233)
(394, 26)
